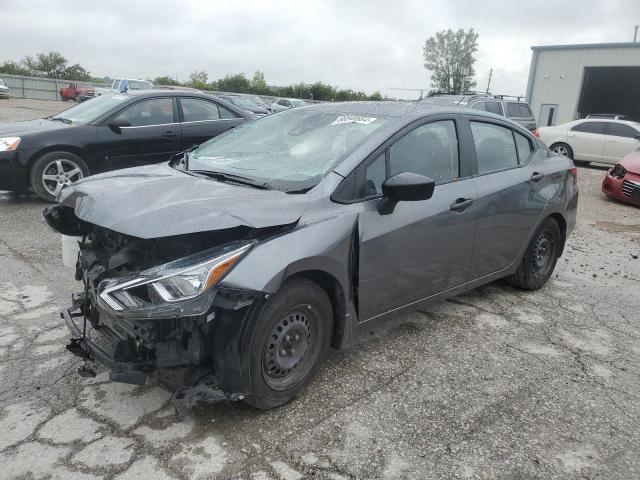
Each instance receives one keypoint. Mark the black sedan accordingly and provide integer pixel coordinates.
(107, 133)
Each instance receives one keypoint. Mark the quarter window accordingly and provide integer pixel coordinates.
(518, 110)
(375, 176)
(430, 150)
(479, 106)
(493, 107)
(590, 127)
(622, 130)
(495, 147)
(226, 113)
(524, 147)
(196, 110)
(155, 111)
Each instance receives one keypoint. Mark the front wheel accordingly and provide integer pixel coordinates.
(540, 258)
(54, 171)
(290, 341)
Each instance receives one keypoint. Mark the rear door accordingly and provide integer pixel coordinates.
(508, 200)
(422, 248)
(587, 140)
(620, 140)
(203, 119)
(153, 134)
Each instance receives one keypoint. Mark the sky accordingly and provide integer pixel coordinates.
(362, 45)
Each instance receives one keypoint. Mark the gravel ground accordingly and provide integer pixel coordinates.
(496, 383)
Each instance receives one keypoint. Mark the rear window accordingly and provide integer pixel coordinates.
(518, 110)
(622, 130)
(494, 107)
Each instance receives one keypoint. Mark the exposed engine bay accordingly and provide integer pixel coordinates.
(148, 306)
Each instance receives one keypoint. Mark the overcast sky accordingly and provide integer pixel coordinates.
(363, 45)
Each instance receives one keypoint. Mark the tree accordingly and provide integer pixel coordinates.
(234, 83)
(198, 79)
(76, 72)
(449, 57)
(51, 64)
(166, 80)
(258, 83)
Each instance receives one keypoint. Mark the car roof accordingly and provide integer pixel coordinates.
(631, 123)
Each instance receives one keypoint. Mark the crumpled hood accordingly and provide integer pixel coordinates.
(21, 128)
(158, 201)
(632, 162)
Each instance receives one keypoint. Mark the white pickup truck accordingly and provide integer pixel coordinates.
(122, 85)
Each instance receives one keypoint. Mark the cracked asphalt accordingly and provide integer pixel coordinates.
(496, 383)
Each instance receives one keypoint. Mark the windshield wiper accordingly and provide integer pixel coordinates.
(230, 177)
(60, 119)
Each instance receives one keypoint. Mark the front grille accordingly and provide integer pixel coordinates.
(630, 188)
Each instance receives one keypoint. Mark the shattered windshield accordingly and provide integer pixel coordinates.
(289, 151)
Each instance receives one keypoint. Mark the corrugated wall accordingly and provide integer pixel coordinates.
(36, 87)
(558, 75)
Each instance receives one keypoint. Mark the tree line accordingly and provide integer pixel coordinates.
(55, 65)
(257, 84)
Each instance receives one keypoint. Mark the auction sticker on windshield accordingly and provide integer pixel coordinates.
(353, 119)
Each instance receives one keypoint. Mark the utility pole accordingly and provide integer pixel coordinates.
(489, 82)
(635, 33)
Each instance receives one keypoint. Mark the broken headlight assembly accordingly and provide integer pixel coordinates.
(618, 171)
(179, 288)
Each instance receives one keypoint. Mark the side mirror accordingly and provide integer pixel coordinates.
(117, 125)
(404, 187)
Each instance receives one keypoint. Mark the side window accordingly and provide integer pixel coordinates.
(282, 102)
(495, 147)
(226, 113)
(524, 147)
(196, 110)
(155, 111)
(590, 127)
(622, 130)
(375, 176)
(430, 150)
(479, 106)
(494, 107)
(515, 109)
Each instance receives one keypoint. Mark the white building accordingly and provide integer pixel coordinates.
(567, 82)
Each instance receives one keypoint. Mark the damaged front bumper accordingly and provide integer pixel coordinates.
(177, 353)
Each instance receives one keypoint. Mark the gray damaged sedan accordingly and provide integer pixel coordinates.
(229, 272)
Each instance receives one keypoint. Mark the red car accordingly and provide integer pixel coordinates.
(623, 181)
(77, 92)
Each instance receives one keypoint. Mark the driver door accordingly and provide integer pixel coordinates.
(153, 134)
(424, 247)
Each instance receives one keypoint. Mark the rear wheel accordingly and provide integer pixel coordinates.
(540, 258)
(290, 341)
(562, 149)
(54, 171)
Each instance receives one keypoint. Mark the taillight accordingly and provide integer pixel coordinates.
(536, 133)
(573, 171)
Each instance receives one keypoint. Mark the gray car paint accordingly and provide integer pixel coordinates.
(421, 252)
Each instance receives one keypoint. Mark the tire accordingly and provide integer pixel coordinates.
(540, 258)
(562, 149)
(61, 168)
(300, 309)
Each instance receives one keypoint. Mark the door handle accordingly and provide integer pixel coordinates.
(461, 204)
(170, 134)
(536, 176)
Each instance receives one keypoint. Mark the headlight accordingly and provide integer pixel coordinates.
(174, 282)
(9, 144)
(619, 171)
